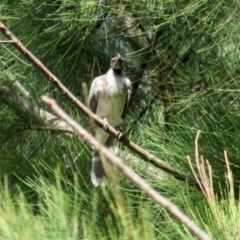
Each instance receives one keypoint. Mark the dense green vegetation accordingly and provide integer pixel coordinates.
(183, 60)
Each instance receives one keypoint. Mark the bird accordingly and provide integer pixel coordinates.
(109, 97)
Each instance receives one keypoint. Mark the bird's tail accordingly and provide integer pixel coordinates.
(97, 172)
(98, 175)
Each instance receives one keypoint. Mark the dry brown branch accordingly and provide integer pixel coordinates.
(54, 80)
(128, 172)
(223, 211)
(204, 173)
(229, 172)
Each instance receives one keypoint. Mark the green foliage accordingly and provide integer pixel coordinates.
(182, 57)
(64, 210)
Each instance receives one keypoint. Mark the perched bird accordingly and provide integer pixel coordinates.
(108, 98)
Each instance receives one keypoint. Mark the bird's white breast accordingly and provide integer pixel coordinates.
(112, 98)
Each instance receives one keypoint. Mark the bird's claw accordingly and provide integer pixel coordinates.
(106, 124)
(120, 134)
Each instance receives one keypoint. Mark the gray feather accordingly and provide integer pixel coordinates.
(97, 171)
(98, 175)
(108, 98)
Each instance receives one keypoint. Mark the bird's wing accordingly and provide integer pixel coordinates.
(93, 95)
(129, 92)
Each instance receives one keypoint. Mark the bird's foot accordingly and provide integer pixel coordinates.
(106, 124)
(120, 134)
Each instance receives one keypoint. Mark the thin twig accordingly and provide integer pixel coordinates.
(17, 84)
(223, 90)
(229, 172)
(54, 80)
(42, 128)
(128, 172)
(6, 41)
(114, 35)
(205, 17)
(196, 145)
(204, 176)
(141, 70)
(227, 21)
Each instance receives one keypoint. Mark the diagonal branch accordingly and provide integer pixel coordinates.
(128, 172)
(16, 83)
(54, 80)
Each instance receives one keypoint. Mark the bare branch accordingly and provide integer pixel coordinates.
(54, 80)
(128, 172)
(16, 83)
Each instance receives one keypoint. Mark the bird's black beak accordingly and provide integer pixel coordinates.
(117, 63)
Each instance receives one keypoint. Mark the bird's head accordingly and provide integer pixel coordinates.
(117, 63)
